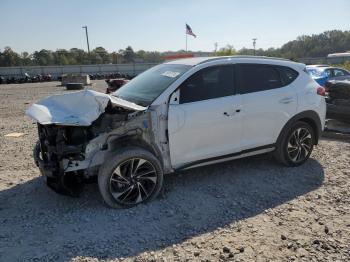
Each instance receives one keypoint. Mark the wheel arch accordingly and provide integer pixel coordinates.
(310, 117)
(134, 141)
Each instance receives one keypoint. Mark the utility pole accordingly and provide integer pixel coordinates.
(254, 43)
(216, 46)
(87, 38)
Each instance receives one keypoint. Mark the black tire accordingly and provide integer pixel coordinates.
(114, 187)
(288, 146)
(36, 153)
(74, 86)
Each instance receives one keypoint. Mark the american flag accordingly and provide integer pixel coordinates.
(189, 31)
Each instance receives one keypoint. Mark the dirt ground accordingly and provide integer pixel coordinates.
(246, 210)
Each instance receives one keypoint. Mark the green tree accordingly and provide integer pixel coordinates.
(317, 45)
(43, 57)
(26, 59)
(79, 55)
(9, 58)
(225, 51)
(61, 57)
(128, 54)
(101, 55)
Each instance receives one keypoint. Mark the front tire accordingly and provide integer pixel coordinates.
(296, 145)
(130, 177)
(37, 153)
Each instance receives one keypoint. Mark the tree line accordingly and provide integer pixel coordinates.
(76, 56)
(317, 45)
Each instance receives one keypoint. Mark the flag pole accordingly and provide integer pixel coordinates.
(186, 36)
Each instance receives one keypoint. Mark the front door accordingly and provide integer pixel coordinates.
(205, 120)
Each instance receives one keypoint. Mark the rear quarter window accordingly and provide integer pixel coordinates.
(258, 77)
(288, 74)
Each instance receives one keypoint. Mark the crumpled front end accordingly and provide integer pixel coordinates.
(74, 131)
(57, 147)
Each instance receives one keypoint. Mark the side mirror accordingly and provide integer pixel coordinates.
(174, 98)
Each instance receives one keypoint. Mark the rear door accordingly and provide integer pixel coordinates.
(269, 100)
(204, 117)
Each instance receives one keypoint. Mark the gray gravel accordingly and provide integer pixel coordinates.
(246, 210)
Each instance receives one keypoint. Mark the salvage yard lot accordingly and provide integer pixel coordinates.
(244, 210)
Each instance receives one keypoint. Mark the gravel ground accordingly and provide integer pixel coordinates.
(245, 210)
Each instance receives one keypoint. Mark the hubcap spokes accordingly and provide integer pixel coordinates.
(133, 181)
(299, 145)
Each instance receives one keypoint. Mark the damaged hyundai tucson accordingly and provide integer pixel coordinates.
(175, 116)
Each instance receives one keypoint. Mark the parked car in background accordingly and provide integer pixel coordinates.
(26, 78)
(338, 98)
(115, 84)
(175, 116)
(321, 73)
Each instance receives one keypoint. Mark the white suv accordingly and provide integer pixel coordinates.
(175, 116)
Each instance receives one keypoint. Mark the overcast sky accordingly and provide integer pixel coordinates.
(160, 24)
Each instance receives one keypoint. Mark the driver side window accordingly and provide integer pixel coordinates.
(208, 83)
(328, 73)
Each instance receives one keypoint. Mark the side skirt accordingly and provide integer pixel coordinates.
(224, 158)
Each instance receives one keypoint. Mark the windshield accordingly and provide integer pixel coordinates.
(316, 72)
(146, 87)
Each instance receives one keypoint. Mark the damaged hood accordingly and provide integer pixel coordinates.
(75, 109)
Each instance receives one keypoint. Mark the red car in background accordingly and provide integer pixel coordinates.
(115, 84)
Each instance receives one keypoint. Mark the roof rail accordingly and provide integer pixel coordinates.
(242, 56)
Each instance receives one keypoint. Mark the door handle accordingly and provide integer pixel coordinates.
(236, 111)
(287, 100)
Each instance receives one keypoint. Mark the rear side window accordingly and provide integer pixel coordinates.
(316, 72)
(288, 75)
(339, 72)
(256, 77)
(208, 83)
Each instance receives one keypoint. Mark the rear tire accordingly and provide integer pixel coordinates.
(74, 86)
(130, 177)
(295, 146)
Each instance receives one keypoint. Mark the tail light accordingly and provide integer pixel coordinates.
(321, 91)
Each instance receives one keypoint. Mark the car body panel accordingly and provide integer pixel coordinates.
(75, 109)
(308, 100)
(265, 113)
(193, 129)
